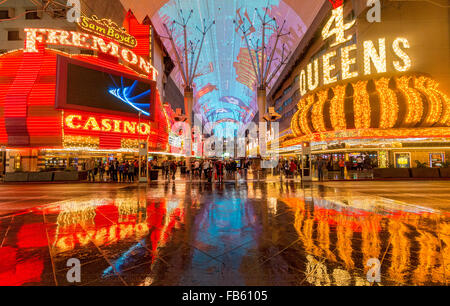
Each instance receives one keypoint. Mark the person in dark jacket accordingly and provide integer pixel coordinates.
(131, 172)
(126, 166)
(321, 164)
(173, 169)
(120, 170)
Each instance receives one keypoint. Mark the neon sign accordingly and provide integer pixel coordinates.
(96, 124)
(86, 41)
(108, 28)
(125, 95)
(374, 54)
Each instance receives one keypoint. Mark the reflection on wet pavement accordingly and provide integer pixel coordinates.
(211, 234)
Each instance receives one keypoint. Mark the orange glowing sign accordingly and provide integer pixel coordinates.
(104, 124)
(34, 37)
(107, 28)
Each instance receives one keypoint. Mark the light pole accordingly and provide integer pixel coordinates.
(262, 63)
(143, 151)
(187, 65)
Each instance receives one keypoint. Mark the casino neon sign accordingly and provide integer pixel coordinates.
(86, 41)
(92, 123)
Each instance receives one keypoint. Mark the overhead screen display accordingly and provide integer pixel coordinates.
(95, 89)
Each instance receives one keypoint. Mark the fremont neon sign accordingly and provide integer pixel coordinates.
(107, 125)
(86, 41)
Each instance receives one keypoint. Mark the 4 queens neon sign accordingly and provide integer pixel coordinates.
(323, 70)
(86, 41)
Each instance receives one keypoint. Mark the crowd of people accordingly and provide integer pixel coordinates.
(290, 168)
(127, 171)
(229, 168)
(112, 171)
(359, 163)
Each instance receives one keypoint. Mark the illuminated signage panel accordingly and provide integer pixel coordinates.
(107, 28)
(89, 87)
(36, 37)
(341, 63)
(96, 124)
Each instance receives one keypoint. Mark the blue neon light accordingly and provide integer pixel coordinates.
(126, 257)
(224, 75)
(125, 94)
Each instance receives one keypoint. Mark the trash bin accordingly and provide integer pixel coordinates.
(154, 175)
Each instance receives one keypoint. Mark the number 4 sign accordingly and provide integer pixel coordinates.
(337, 18)
(340, 27)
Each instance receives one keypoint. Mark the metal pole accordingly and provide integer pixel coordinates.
(198, 57)
(258, 66)
(272, 55)
(188, 101)
(251, 57)
(146, 160)
(176, 54)
(139, 148)
(186, 60)
(261, 99)
(263, 50)
(274, 74)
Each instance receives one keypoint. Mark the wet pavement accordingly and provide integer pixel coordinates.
(254, 233)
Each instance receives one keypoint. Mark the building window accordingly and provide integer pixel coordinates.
(4, 14)
(32, 14)
(287, 90)
(59, 13)
(287, 102)
(87, 52)
(13, 35)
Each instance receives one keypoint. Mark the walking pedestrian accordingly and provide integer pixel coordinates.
(342, 167)
(293, 168)
(90, 165)
(173, 169)
(131, 172)
(321, 164)
(125, 171)
(120, 170)
(219, 170)
(114, 169)
(102, 171)
(107, 171)
(136, 169)
(206, 168)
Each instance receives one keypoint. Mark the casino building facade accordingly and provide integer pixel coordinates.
(374, 89)
(58, 109)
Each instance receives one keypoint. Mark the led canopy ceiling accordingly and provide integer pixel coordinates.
(225, 86)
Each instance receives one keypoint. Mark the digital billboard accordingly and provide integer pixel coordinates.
(88, 87)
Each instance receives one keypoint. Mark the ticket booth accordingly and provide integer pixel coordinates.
(143, 162)
(306, 162)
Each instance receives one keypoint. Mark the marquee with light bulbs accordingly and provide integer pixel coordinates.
(383, 100)
(32, 117)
